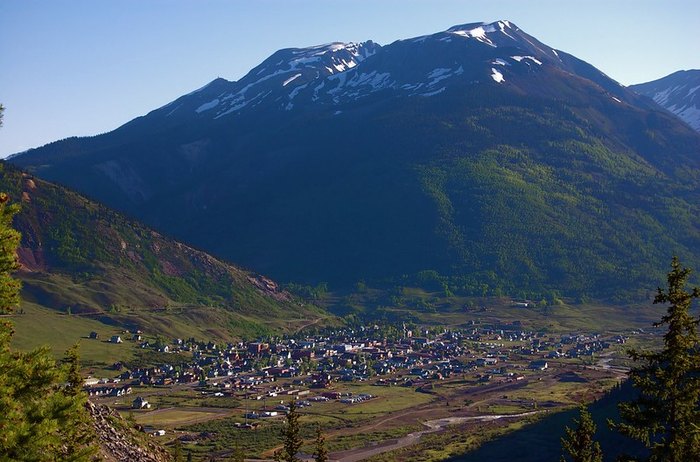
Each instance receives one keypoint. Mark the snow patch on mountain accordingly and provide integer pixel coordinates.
(240, 102)
(663, 96)
(529, 58)
(236, 97)
(290, 80)
(690, 114)
(338, 57)
(293, 68)
(497, 76)
(207, 106)
(478, 33)
(442, 73)
(374, 79)
(489, 34)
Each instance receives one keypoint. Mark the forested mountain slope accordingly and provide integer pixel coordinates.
(477, 156)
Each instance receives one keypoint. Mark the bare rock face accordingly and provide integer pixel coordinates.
(269, 287)
(119, 442)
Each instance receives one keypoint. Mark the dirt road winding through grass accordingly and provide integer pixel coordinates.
(354, 455)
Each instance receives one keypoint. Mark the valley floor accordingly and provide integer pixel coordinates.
(430, 419)
(379, 392)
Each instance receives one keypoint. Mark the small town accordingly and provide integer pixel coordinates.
(254, 382)
(348, 355)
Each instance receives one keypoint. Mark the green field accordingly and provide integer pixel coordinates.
(176, 416)
(39, 326)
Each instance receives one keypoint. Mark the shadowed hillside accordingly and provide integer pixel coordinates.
(79, 257)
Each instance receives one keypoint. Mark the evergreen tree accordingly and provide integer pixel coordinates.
(290, 436)
(75, 378)
(237, 453)
(177, 450)
(78, 432)
(666, 414)
(9, 240)
(320, 451)
(40, 419)
(579, 444)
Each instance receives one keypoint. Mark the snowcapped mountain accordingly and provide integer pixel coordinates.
(333, 75)
(678, 93)
(478, 153)
(277, 79)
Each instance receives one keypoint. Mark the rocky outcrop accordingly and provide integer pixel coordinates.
(269, 287)
(119, 442)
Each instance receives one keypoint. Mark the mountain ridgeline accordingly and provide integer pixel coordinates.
(476, 159)
(678, 93)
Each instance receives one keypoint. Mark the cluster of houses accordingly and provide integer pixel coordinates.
(354, 354)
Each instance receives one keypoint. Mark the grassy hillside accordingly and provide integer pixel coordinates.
(84, 261)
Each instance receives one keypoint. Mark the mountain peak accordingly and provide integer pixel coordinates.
(334, 74)
(329, 58)
(481, 29)
(500, 34)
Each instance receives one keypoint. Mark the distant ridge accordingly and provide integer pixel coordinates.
(678, 93)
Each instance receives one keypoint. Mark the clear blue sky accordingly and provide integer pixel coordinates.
(83, 67)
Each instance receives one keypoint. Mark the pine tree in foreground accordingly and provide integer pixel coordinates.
(40, 418)
(9, 240)
(290, 436)
(666, 414)
(320, 451)
(237, 454)
(78, 432)
(579, 444)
